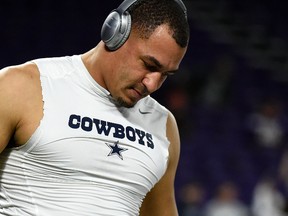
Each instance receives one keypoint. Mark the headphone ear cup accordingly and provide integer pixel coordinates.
(125, 32)
(116, 30)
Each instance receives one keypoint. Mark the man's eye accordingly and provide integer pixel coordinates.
(169, 73)
(151, 68)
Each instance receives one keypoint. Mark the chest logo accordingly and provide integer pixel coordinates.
(106, 128)
(144, 112)
(116, 149)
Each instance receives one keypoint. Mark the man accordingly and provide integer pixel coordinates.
(80, 135)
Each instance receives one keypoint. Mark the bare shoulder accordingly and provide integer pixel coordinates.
(17, 82)
(20, 90)
(19, 73)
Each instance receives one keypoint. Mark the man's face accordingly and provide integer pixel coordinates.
(141, 66)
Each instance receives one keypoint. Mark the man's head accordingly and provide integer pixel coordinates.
(146, 16)
(153, 50)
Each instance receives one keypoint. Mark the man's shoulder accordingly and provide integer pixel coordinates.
(21, 91)
(18, 76)
(55, 66)
(152, 104)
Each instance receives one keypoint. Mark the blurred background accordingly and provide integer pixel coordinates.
(229, 97)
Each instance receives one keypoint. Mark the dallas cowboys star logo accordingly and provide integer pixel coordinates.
(116, 149)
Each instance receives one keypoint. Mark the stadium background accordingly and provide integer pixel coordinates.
(236, 63)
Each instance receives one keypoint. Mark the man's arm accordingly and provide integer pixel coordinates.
(160, 201)
(20, 103)
(7, 107)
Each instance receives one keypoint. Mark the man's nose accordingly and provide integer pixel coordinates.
(153, 81)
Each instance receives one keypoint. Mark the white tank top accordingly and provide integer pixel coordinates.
(88, 157)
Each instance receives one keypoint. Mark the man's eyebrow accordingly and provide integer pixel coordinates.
(154, 60)
(158, 64)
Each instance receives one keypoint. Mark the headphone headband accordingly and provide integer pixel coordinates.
(125, 5)
(183, 7)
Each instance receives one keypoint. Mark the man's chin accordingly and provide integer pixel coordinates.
(124, 103)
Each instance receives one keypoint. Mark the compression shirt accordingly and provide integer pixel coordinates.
(88, 156)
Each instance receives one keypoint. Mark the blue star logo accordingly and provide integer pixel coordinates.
(116, 149)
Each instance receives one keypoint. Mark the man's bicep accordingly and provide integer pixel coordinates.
(5, 132)
(6, 109)
(161, 199)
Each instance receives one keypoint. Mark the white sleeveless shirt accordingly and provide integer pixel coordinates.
(88, 157)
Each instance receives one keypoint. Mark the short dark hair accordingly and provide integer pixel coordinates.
(147, 15)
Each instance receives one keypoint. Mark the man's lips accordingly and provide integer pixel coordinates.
(137, 93)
